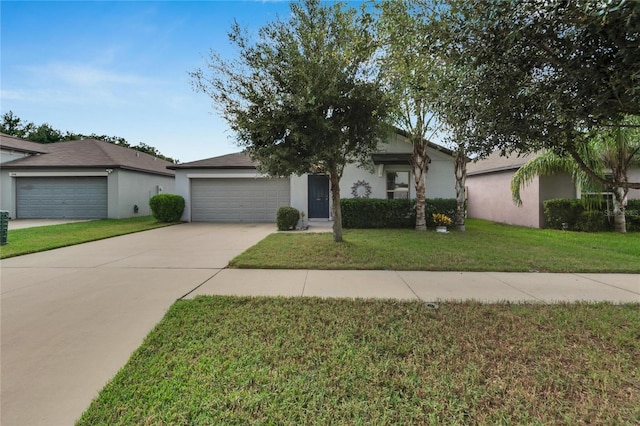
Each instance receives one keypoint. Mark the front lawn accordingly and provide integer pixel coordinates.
(485, 246)
(226, 360)
(41, 238)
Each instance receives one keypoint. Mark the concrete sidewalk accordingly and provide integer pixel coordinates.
(426, 286)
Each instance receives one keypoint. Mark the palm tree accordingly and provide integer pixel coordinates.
(609, 152)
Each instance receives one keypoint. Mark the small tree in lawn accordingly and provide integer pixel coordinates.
(302, 97)
(413, 77)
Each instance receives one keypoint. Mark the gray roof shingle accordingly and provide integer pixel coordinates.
(497, 163)
(92, 153)
(238, 160)
(12, 143)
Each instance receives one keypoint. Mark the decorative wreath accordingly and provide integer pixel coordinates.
(361, 189)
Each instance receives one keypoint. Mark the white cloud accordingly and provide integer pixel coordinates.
(87, 75)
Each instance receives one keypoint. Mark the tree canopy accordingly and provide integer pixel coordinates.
(45, 133)
(546, 75)
(302, 97)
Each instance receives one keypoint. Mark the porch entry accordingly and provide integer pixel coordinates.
(318, 197)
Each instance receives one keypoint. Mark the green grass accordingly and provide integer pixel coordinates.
(226, 360)
(41, 238)
(485, 246)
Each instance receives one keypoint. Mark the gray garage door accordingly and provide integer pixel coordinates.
(237, 200)
(61, 197)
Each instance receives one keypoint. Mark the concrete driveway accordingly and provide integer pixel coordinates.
(71, 317)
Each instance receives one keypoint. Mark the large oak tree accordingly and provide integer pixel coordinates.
(301, 96)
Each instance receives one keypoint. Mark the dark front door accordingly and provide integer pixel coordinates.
(318, 197)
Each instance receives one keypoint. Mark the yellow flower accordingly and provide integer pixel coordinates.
(441, 219)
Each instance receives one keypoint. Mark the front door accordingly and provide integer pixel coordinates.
(318, 197)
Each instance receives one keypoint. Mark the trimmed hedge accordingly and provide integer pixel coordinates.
(633, 215)
(382, 213)
(562, 210)
(580, 217)
(287, 218)
(167, 207)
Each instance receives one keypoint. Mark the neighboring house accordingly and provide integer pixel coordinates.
(489, 191)
(229, 188)
(83, 179)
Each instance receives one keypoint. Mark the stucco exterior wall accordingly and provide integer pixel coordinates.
(7, 193)
(135, 188)
(489, 197)
(440, 179)
(634, 176)
(299, 189)
(557, 186)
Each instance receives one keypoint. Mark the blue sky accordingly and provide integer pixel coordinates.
(120, 68)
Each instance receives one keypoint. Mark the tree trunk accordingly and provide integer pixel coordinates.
(619, 208)
(420, 163)
(460, 169)
(336, 211)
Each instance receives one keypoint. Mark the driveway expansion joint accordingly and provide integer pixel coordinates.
(201, 284)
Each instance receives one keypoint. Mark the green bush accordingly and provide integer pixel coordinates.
(632, 215)
(592, 221)
(588, 217)
(382, 213)
(167, 207)
(287, 218)
(562, 210)
(377, 213)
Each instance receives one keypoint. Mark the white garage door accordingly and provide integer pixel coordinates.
(237, 200)
(61, 197)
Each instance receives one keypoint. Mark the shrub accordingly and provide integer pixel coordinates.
(377, 213)
(382, 213)
(592, 221)
(633, 215)
(287, 218)
(562, 210)
(167, 207)
(588, 217)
